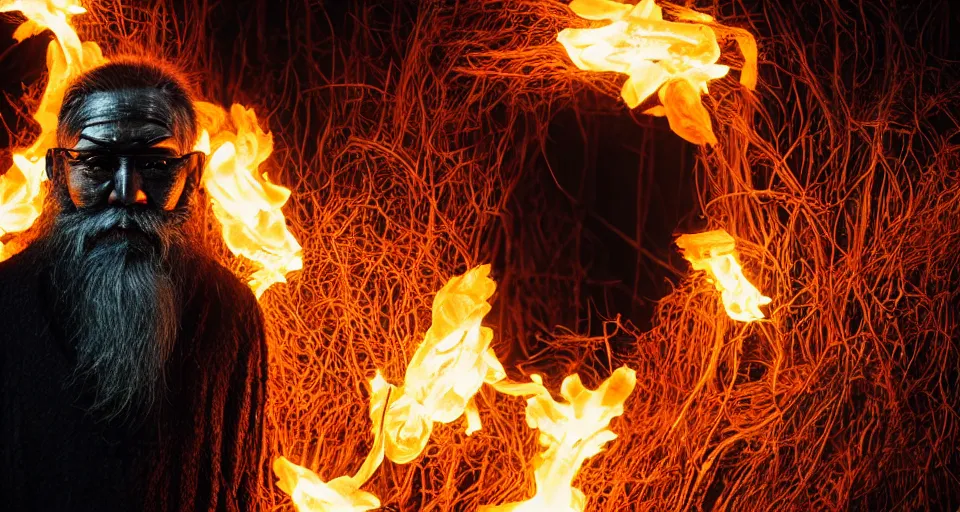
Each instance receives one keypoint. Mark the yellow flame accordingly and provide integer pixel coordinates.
(570, 432)
(715, 253)
(447, 369)
(676, 59)
(21, 194)
(311, 494)
(449, 366)
(245, 202)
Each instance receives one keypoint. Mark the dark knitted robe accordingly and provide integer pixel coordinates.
(196, 450)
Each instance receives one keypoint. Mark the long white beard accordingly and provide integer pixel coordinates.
(122, 301)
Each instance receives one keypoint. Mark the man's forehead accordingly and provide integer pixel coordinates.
(134, 117)
(146, 104)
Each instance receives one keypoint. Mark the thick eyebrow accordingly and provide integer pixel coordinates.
(168, 143)
(162, 149)
(160, 141)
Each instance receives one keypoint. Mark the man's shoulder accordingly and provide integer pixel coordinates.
(226, 312)
(226, 284)
(19, 269)
(222, 289)
(19, 294)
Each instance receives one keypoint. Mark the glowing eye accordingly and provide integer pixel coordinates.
(157, 163)
(154, 165)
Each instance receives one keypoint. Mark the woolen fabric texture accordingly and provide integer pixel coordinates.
(197, 449)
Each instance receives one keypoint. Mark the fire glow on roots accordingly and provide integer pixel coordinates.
(455, 357)
(823, 406)
(447, 370)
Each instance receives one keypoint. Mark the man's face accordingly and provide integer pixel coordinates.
(120, 248)
(126, 154)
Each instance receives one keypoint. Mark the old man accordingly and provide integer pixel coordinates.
(133, 366)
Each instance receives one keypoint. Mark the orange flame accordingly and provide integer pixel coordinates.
(447, 370)
(715, 253)
(570, 433)
(310, 494)
(245, 202)
(675, 58)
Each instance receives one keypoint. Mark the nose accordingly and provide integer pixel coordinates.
(127, 186)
